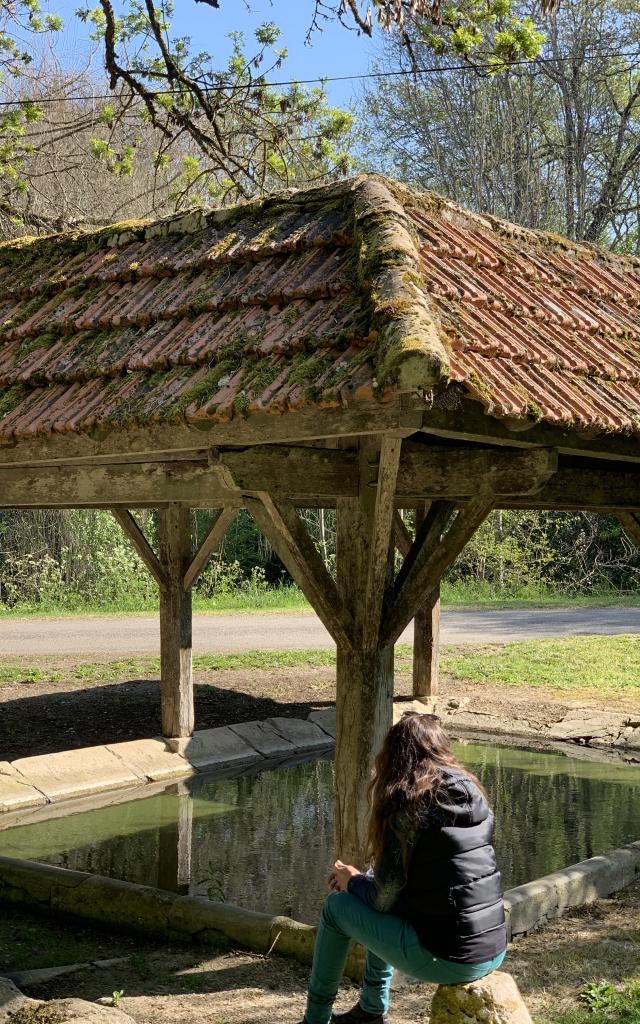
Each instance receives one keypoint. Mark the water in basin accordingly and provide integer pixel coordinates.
(265, 840)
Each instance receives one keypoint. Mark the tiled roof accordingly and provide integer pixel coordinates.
(333, 297)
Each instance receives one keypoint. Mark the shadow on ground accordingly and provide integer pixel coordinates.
(181, 984)
(44, 723)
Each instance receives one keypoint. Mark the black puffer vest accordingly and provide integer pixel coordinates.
(453, 894)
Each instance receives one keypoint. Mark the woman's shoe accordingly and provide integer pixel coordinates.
(356, 1015)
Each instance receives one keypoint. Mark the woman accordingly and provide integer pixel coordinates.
(432, 903)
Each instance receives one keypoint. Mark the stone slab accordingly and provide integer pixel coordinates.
(587, 724)
(401, 706)
(325, 719)
(264, 738)
(72, 773)
(153, 759)
(16, 792)
(215, 748)
(302, 734)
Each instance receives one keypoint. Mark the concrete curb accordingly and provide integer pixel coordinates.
(530, 906)
(97, 773)
(142, 909)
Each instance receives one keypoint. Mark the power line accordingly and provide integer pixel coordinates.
(401, 72)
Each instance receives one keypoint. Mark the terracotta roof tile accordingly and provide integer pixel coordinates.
(295, 301)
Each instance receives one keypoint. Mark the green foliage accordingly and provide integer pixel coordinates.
(549, 145)
(599, 995)
(604, 1003)
(231, 134)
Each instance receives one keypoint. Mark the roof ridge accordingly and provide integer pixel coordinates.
(409, 350)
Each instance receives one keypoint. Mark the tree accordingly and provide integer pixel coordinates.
(240, 136)
(552, 145)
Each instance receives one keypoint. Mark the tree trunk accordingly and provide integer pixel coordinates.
(175, 623)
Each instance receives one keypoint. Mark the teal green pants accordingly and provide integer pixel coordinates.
(390, 942)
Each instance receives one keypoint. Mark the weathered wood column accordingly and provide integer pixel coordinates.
(364, 698)
(426, 638)
(176, 682)
(426, 647)
(426, 623)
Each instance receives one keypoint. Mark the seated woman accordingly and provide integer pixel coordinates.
(432, 903)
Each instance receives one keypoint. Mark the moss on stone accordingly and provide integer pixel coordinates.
(12, 397)
(38, 341)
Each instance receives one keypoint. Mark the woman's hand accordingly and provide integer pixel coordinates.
(340, 875)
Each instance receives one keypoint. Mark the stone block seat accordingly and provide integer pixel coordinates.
(495, 999)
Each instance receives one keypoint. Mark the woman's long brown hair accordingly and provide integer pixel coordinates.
(408, 774)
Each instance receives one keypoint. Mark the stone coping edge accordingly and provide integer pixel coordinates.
(143, 909)
(98, 772)
(530, 906)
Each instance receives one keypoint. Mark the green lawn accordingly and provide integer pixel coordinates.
(286, 598)
(601, 664)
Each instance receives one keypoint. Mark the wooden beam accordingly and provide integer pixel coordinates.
(424, 572)
(140, 543)
(364, 686)
(469, 422)
(426, 637)
(426, 647)
(380, 548)
(454, 472)
(176, 687)
(426, 541)
(426, 623)
(219, 479)
(404, 540)
(210, 543)
(289, 538)
(317, 476)
(631, 526)
(368, 418)
(595, 486)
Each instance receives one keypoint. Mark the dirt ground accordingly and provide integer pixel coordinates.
(39, 718)
(183, 985)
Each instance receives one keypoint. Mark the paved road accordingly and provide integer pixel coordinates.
(282, 631)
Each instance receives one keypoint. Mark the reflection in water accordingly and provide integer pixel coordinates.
(265, 840)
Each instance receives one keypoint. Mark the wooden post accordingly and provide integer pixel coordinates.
(364, 697)
(175, 623)
(426, 647)
(426, 638)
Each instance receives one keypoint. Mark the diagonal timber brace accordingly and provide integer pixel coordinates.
(430, 557)
(282, 526)
(133, 532)
(211, 542)
(631, 526)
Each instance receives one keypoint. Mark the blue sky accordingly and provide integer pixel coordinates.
(334, 51)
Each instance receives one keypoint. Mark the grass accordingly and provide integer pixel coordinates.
(289, 598)
(603, 1003)
(602, 665)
